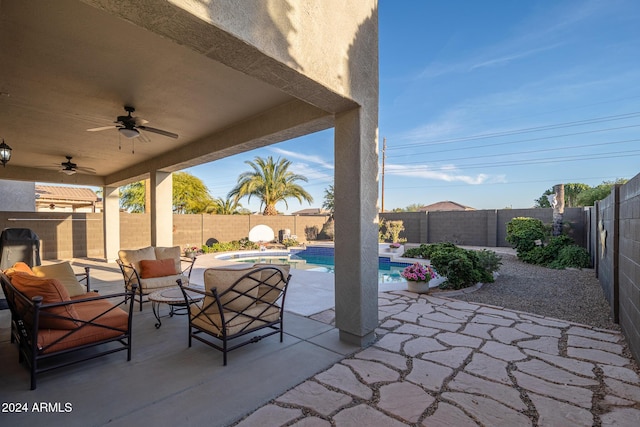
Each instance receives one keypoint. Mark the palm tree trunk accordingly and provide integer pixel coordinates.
(270, 210)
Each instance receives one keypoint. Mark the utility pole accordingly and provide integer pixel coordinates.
(384, 153)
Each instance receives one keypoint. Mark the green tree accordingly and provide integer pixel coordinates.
(329, 200)
(571, 196)
(272, 182)
(590, 196)
(189, 195)
(132, 197)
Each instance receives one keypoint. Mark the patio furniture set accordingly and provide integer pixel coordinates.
(58, 320)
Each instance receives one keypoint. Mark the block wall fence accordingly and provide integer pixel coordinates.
(75, 235)
(614, 241)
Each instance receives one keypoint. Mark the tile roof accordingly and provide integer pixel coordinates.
(445, 205)
(52, 192)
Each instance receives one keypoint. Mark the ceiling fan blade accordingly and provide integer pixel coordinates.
(90, 171)
(143, 136)
(159, 131)
(102, 128)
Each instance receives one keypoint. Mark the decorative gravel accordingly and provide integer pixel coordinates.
(571, 294)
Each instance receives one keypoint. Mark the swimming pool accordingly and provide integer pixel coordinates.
(319, 258)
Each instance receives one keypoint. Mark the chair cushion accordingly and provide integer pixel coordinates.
(253, 318)
(172, 252)
(65, 274)
(242, 296)
(115, 318)
(154, 283)
(157, 268)
(51, 291)
(265, 292)
(134, 256)
(18, 267)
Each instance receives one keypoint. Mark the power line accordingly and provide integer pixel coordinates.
(529, 151)
(496, 144)
(520, 131)
(583, 157)
(485, 184)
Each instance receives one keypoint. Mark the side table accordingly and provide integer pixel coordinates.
(174, 299)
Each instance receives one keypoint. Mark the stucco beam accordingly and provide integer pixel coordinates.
(18, 173)
(204, 28)
(287, 121)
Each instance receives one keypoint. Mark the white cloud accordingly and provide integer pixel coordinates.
(306, 157)
(447, 173)
(505, 59)
(313, 175)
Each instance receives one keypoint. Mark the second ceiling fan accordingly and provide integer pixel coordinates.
(130, 126)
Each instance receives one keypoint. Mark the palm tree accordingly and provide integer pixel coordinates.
(228, 206)
(272, 182)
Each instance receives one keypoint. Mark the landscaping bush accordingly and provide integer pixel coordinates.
(290, 242)
(489, 260)
(415, 252)
(559, 252)
(236, 245)
(461, 267)
(572, 256)
(525, 233)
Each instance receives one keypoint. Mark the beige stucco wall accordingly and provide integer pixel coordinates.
(312, 37)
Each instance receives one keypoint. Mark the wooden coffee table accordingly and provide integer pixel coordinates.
(174, 299)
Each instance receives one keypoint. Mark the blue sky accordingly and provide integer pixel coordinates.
(488, 104)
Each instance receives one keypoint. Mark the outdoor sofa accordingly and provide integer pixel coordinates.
(57, 321)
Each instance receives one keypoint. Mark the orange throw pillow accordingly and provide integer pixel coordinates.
(157, 268)
(51, 291)
(19, 267)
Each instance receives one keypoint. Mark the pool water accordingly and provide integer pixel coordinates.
(311, 260)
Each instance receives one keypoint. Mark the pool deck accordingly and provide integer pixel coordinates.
(437, 362)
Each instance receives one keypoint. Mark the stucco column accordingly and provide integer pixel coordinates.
(161, 185)
(111, 222)
(356, 228)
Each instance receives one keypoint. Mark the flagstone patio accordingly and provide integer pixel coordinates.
(442, 362)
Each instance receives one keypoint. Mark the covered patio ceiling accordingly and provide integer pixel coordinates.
(71, 65)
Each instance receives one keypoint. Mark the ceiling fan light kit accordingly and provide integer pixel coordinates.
(130, 126)
(129, 133)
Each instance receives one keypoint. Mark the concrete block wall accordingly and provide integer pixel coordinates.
(606, 250)
(479, 227)
(615, 242)
(62, 235)
(629, 263)
(135, 230)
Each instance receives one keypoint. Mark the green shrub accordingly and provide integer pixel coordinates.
(572, 256)
(290, 242)
(461, 267)
(236, 245)
(525, 233)
(489, 260)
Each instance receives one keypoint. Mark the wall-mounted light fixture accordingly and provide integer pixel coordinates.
(5, 153)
